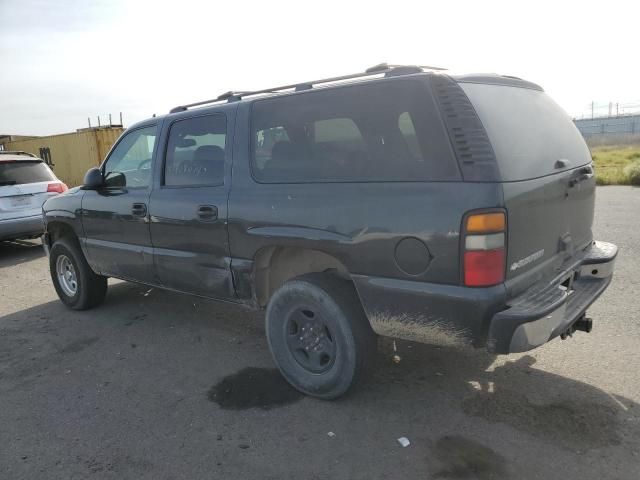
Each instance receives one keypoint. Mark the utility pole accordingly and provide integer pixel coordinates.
(592, 105)
(617, 110)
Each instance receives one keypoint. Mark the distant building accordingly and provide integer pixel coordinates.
(610, 130)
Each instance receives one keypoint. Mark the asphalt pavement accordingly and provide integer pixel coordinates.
(157, 385)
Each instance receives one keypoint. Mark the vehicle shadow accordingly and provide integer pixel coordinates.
(15, 252)
(464, 406)
(510, 390)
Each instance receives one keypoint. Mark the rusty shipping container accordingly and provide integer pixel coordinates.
(70, 155)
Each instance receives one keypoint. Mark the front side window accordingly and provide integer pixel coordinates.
(385, 131)
(196, 152)
(129, 165)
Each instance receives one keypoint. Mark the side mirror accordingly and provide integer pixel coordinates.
(93, 179)
(115, 180)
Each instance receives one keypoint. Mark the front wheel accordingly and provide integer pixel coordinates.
(76, 284)
(319, 335)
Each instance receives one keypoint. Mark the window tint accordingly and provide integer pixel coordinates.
(375, 132)
(24, 171)
(195, 152)
(130, 162)
(529, 132)
(337, 130)
(405, 124)
(264, 142)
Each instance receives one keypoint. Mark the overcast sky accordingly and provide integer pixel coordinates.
(65, 60)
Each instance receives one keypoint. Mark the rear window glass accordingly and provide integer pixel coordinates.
(387, 131)
(21, 171)
(528, 130)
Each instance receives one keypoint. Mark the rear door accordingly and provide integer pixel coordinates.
(24, 187)
(188, 206)
(548, 183)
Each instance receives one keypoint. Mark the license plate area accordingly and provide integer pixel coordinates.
(20, 201)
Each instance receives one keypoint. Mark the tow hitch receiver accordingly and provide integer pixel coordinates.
(584, 324)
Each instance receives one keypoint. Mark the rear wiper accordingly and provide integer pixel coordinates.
(10, 182)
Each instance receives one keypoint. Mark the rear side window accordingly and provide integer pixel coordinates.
(24, 171)
(529, 132)
(384, 131)
(408, 130)
(195, 151)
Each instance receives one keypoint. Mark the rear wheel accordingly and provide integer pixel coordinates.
(76, 284)
(319, 335)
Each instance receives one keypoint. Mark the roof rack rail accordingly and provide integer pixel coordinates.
(17, 152)
(382, 68)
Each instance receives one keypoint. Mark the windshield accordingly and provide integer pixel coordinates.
(21, 171)
(528, 130)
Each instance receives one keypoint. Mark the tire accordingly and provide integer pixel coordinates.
(319, 336)
(90, 288)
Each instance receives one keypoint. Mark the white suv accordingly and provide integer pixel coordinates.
(26, 182)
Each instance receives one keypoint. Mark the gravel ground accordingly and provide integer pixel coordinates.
(166, 386)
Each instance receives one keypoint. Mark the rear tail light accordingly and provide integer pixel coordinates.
(56, 187)
(484, 251)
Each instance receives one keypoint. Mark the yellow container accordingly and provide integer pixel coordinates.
(70, 155)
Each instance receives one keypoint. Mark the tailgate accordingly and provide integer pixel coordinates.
(549, 222)
(23, 187)
(548, 183)
(22, 200)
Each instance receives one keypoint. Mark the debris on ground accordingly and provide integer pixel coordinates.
(396, 357)
(404, 441)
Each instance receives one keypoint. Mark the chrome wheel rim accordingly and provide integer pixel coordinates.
(66, 276)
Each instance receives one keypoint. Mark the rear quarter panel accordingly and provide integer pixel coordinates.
(360, 224)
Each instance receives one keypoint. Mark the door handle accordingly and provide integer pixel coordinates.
(139, 210)
(585, 174)
(207, 212)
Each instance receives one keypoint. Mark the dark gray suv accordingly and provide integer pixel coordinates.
(402, 201)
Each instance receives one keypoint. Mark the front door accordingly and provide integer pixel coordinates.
(115, 218)
(188, 207)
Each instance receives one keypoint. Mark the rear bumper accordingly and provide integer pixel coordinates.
(456, 316)
(545, 311)
(446, 315)
(23, 227)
